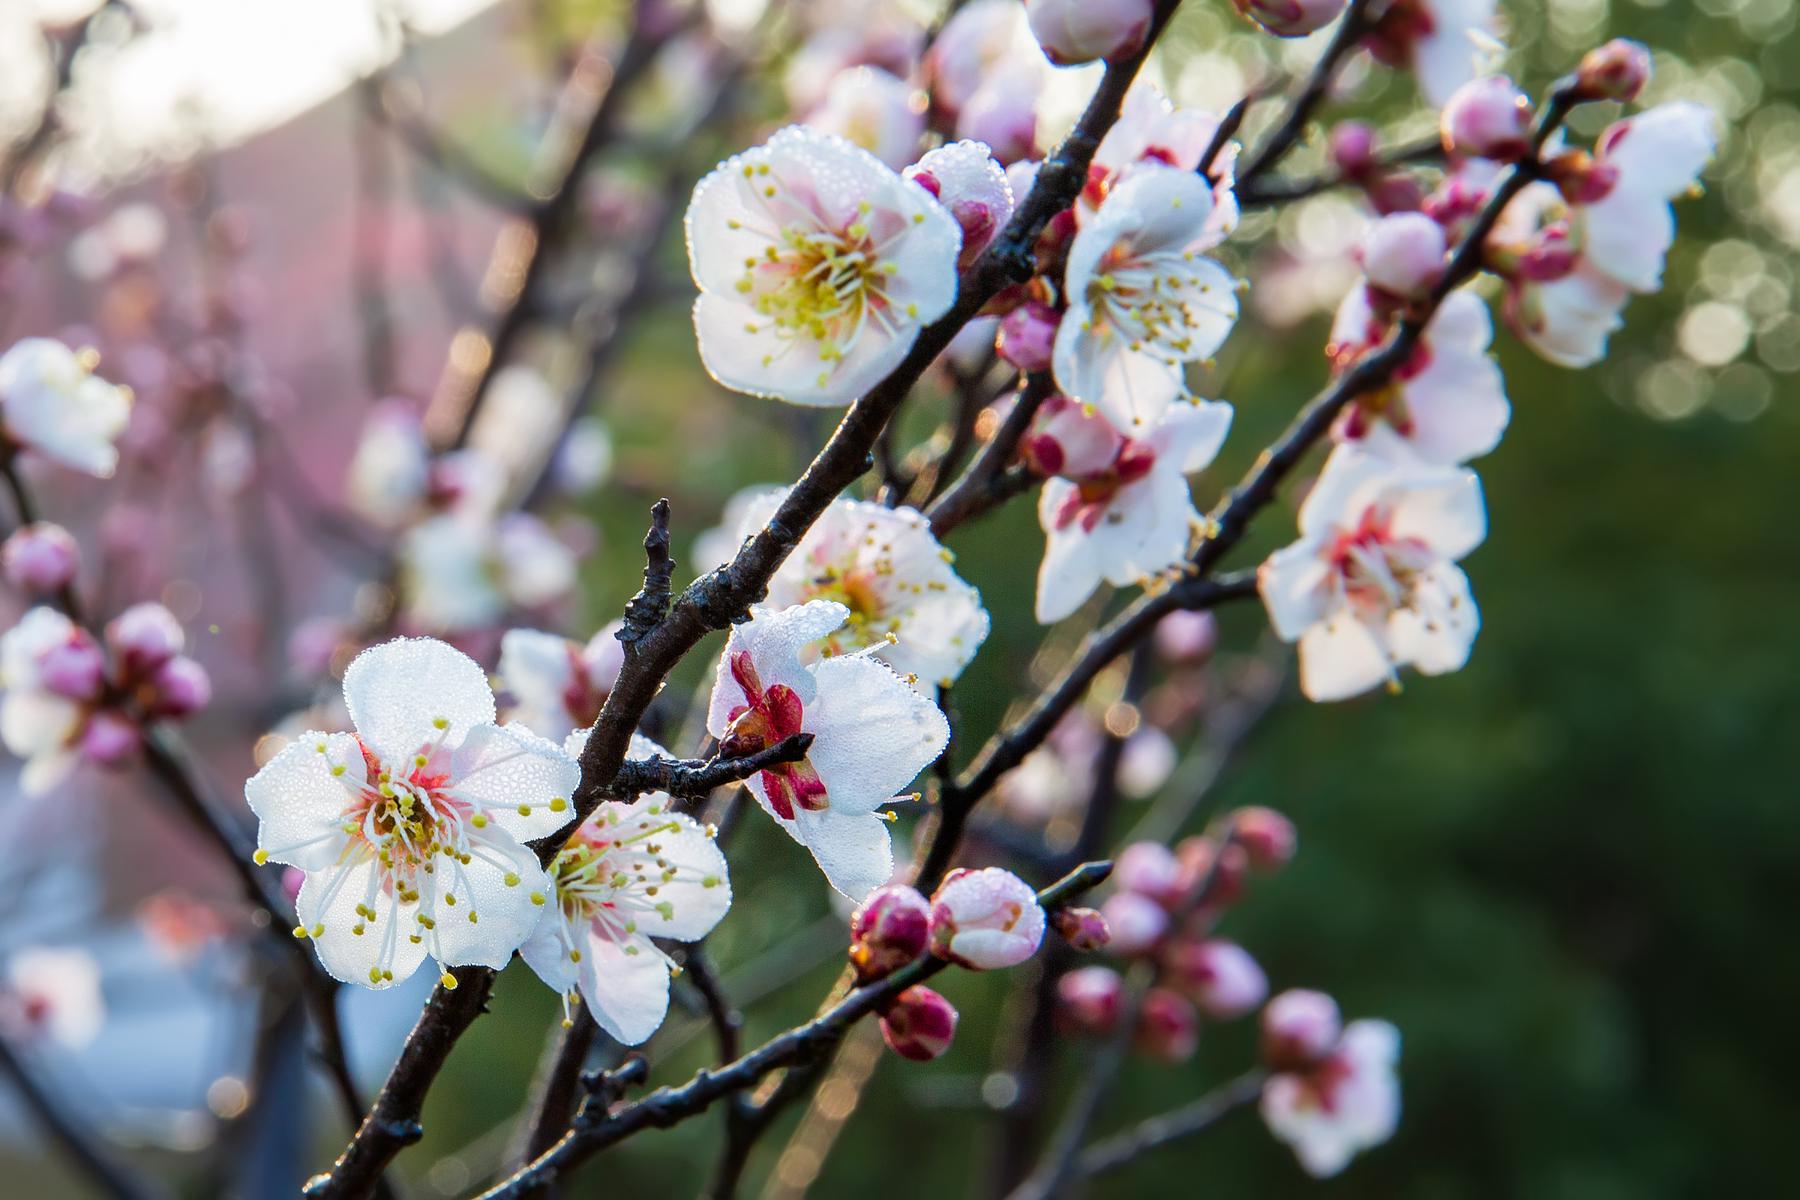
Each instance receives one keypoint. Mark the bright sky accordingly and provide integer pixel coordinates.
(244, 65)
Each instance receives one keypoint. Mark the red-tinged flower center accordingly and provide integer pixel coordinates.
(1093, 496)
(767, 717)
(1401, 24)
(1322, 1087)
(1388, 402)
(1374, 569)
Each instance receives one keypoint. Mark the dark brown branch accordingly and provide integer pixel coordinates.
(1301, 108)
(595, 1131)
(556, 1104)
(1269, 191)
(64, 1128)
(992, 479)
(1156, 1132)
(690, 778)
(646, 610)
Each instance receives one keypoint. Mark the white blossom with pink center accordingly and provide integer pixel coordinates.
(467, 570)
(629, 873)
(411, 831)
(1573, 266)
(907, 605)
(872, 734)
(1445, 405)
(873, 109)
(1348, 1103)
(1143, 300)
(1151, 131)
(52, 992)
(52, 402)
(1131, 516)
(817, 266)
(557, 686)
(1445, 43)
(39, 724)
(1372, 585)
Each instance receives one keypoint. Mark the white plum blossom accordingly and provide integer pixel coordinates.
(1573, 265)
(986, 919)
(52, 402)
(557, 686)
(465, 570)
(39, 725)
(1143, 299)
(966, 179)
(984, 41)
(390, 473)
(411, 831)
(1344, 1105)
(629, 873)
(1372, 585)
(1446, 404)
(1151, 131)
(1445, 43)
(52, 992)
(872, 734)
(870, 108)
(1129, 517)
(907, 605)
(817, 266)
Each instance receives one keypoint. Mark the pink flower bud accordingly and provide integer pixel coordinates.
(144, 637)
(1552, 255)
(1083, 928)
(291, 879)
(1403, 255)
(972, 186)
(1187, 637)
(1299, 1027)
(1351, 148)
(1394, 192)
(1268, 838)
(1150, 869)
(1137, 923)
(1291, 18)
(1218, 975)
(1069, 439)
(919, 1024)
(1616, 71)
(1080, 31)
(1088, 1000)
(181, 687)
(1028, 336)
(40, 558)
(109, 738)
(985, 919)
(1168, 1027)
(75, 669)
(1487, 118)
(1224, 883)
(892, 928)
(1582, 178)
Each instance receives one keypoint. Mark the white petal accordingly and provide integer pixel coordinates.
(694, 907)
(872, 733)
(1292, 583)
(1443, 509)
(854, 850)
(300, 796)
(626, 987)
(500, 768)
(1437, 631)
(34, 723)
(1661, 151)
(774, 639)
(761, 364)
(1192, 434)
(505, 914)
(397, 693)
(547, 954)
(346, 955)
(1340, 658)
(536, 668)
(1072, 567)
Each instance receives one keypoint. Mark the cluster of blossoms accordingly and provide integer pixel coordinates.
(1331, 1090)
(69, 696)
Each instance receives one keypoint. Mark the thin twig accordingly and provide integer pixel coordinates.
(1300, 110)
(1153, 1133)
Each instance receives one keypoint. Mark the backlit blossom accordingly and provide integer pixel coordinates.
(1372, 585)
(52, 992)
(1445, 43)
(982, 40)
(52, 402)
(1446, 405)
(870, 108)
(986, 919)
(557, 686)
(817, 266)
(872, 734)
(906, 603)
(1126, 520)
(390, 473)
(1346, 1104)
(630, 873)
(1151, 131)
(37, 723)
(1143, 299)
(1080, 31)
(965, 178)
(1644, 162)
(411, 830)
(463, 570)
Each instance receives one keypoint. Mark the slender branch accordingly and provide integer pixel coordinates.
(64, 1128)
(557, 1102)
(668, 1106)
(1301, 109)
(1263, 193)
(991, 479)
(1153, 1133)
(726, 1020)
(690, 778)
(382, 103)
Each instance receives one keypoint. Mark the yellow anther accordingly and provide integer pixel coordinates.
(261, 857)
(447, 981)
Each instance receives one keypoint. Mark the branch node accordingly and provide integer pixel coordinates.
(646, 610)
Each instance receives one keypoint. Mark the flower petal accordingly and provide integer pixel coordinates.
(501, 769)
(400, 691)
(872, 733)
(300, 796)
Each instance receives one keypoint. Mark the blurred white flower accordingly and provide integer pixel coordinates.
(1346, 1104)
(52, 402)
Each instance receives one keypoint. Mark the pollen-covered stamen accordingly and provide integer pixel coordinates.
(614, 878)
(768, 717)
(1154, 302)
(1373, 571)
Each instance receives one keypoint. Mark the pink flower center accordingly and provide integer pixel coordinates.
(767, 717)
(1094, 494)
(1375, 569)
